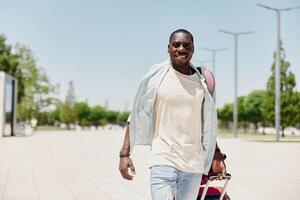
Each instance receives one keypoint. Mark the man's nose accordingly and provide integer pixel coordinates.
(181, 48)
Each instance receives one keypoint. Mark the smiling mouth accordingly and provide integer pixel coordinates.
(181, 57)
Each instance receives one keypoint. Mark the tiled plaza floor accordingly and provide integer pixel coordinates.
(84, 166)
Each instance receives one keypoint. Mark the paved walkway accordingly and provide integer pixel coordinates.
(84, 166)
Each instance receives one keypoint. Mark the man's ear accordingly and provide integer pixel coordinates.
(168, 48)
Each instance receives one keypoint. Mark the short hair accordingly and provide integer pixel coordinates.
(181, 31)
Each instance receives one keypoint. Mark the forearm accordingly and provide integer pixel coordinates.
(125, 151)
(126, 167)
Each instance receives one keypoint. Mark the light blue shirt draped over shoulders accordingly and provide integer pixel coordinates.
(141, 117)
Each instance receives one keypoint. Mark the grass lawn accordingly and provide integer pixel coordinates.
(252, 136)
(50, 128)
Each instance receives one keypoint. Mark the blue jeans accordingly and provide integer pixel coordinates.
(167, 182)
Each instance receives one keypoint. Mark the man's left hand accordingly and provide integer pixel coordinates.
(218, 166)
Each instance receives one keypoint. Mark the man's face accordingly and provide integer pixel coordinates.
(181, 49)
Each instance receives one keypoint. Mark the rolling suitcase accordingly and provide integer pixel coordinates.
(207, 192)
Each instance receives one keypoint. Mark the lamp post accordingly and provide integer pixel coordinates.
(235, 109)
(213, 51)
(277, 66)
(202, 62)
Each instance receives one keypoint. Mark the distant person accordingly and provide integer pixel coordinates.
(175, 113)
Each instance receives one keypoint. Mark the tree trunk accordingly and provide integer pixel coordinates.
(256, 127)
(244, 125)
(282, 134)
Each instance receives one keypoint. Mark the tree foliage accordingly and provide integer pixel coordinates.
(258, 107)
(9, 63)
(83, 112)
(296, 118)
(122, 117)
(37, 88)
(35, 93)
(98, 116)
(34, 88)
(67, 112)
(225, 115)
(253, 107)
(288, 95)
(112, 116)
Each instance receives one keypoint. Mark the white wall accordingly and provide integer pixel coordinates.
(2, 104)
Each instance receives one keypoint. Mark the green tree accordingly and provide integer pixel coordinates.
(83, 112)
(9, 63)
(33, 84)
(242, 114)
(288, 101)
(253, 107)
(225, 115)
(112, 116)
(296, 119)
(67, 112)
(54, 115)
(43, 118)
(37, 88)
(98, 116)
(122, 118)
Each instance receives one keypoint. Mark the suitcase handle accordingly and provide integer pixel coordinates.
(215, 176)
(219, 176)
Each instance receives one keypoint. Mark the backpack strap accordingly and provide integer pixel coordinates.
(209, 79)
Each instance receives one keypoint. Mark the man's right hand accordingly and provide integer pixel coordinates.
(125, 165)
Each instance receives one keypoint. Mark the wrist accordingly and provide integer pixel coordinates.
(219, 156)
(124, 154)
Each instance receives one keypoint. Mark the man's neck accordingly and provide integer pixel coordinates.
(187, 70)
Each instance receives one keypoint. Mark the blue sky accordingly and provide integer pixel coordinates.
(105, 47)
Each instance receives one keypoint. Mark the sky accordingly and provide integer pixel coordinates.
(105, 47)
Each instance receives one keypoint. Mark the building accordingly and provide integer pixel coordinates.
(8, 104)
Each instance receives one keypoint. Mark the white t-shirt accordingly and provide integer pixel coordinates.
(177, 123)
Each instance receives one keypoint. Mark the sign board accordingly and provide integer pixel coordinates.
(8, 104)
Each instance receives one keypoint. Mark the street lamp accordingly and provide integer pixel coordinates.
(277, 67)
(213, 51)
(235, 109)
(202, 62)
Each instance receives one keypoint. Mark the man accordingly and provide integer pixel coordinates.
(174, 112)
